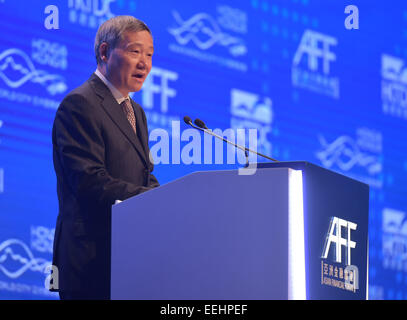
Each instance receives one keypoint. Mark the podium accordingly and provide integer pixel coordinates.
(290, 230)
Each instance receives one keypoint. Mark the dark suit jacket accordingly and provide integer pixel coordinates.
(97, 159)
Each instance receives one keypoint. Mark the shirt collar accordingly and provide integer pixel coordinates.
(116, 93)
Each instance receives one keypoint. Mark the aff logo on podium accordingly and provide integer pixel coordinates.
(341, 273)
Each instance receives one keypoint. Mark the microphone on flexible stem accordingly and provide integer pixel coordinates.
(200, 125)
(188, 120)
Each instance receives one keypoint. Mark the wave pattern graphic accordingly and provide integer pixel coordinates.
(345, 153)
(204, 32)
(26, 71)
(24, 260)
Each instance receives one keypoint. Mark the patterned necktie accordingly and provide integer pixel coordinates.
(129, 112)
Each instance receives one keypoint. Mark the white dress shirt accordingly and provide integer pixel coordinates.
(116, 93)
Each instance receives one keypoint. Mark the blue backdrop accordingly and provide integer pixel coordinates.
(313, 89)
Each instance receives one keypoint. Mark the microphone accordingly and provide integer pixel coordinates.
(187, 120)
(200, 125)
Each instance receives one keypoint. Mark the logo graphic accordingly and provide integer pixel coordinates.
(394, 229)
(49, 53)
(16, 258)
(16, 69)
(345, 153)
(209, 37)
(42, 239)
(90, 13)
(250, 111)
(204, 32)
(335, 237)
(394, 86)
(317, 48)
(248, 105)
(343, 276)
(393, 69)
(20, 266)
(361, 154)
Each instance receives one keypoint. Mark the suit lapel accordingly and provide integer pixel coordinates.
(113, 109)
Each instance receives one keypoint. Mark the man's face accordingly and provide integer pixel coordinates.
(130, 62)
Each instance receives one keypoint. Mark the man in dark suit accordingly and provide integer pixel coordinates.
(101, 154)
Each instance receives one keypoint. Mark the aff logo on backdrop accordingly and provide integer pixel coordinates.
(342, 274)
(394, 86)
(166, 137)
(359, 157)
(222, 34)
(156, 94)
(249, 110)
(162, 88)
(89, 13)
(394, 236)
(315, 73)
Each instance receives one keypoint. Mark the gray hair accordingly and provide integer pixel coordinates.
(112, 30)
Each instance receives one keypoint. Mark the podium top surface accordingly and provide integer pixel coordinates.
(302, 165)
